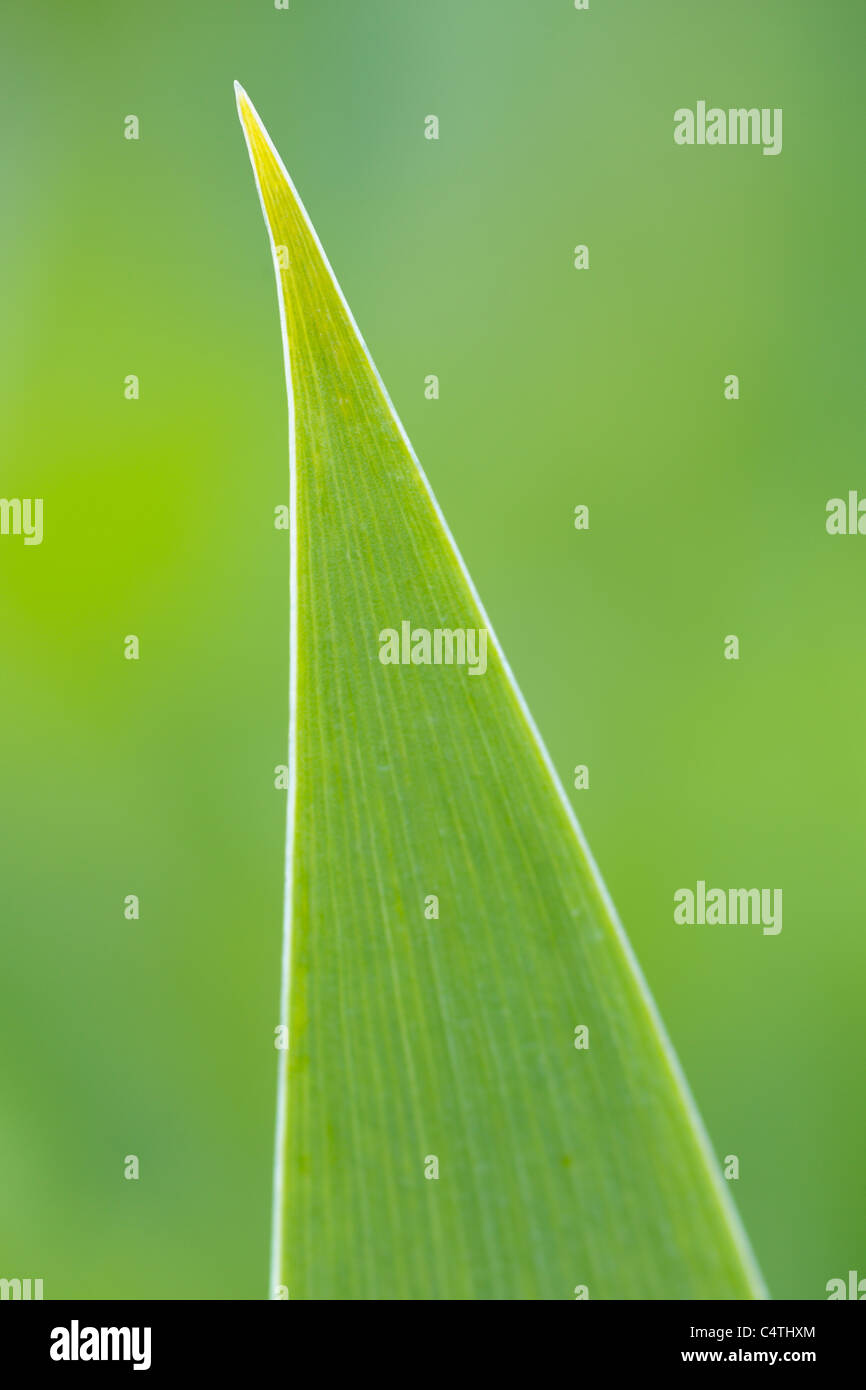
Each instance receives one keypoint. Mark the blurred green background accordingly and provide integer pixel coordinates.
(558, 387)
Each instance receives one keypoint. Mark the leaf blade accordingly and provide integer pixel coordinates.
(411, 1038)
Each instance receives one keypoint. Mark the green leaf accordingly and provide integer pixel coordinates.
(420, 1044)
